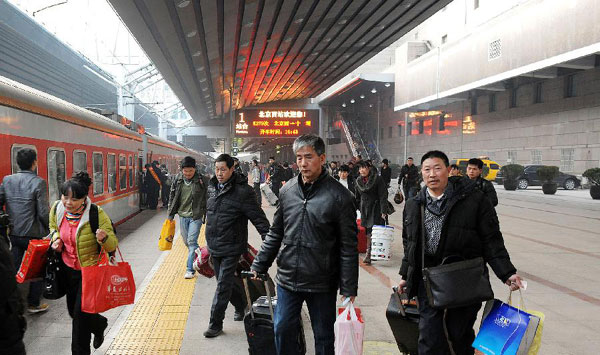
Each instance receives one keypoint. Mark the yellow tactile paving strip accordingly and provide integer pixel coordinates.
(157, 321)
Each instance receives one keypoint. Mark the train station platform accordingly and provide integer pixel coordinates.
(554, 241)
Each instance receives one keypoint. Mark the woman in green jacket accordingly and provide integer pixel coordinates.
(72, 236)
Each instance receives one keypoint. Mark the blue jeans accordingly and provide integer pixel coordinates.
(322, 310)
(190, 229)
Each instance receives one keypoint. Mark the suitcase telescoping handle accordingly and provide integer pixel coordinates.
(263, 277)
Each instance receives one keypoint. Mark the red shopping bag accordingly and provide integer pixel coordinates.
(34, 260)
(106, 286)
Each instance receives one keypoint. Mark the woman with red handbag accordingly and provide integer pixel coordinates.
(72, 235)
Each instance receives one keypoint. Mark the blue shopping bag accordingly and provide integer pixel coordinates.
(502, 330)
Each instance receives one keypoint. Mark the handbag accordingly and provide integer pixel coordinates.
(34, 260)
(398, 197)
(167, 233)
(105, 286)
(456, 284)
(55, 280)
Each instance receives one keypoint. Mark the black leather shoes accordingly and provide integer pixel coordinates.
(238, 316)
(211, 333)
(99, 338)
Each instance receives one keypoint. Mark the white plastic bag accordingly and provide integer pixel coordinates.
(349, 334)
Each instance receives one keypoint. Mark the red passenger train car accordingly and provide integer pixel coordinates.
(68, 138)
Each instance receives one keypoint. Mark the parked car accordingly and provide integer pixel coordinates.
(492, 167)
(530, 178)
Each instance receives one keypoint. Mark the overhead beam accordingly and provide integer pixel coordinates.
(584, 63)
(544, 73)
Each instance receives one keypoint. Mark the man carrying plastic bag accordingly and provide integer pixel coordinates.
(349, 332)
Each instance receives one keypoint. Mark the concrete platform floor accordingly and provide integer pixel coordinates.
(554, 241)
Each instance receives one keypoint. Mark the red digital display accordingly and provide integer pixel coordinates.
(269, 123)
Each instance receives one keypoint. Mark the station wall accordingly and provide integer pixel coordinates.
(559, 130)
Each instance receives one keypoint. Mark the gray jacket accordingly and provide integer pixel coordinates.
(25, 196)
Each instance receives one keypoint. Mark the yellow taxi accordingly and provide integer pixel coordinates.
(492, 167)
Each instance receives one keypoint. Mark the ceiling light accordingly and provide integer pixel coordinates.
(352, 101)
(204, 89)
(327, 39)
(342, 22)
(371, 105)
(382, 27)
(249, 24)
(387, 85)
(362, 43)
(202, 80)
(197, 54)
(200, 69)
(288, 39)
(374, 91)
(183, 4)
(362, 96)
(299, 20)
(344, 104)
(191, 34)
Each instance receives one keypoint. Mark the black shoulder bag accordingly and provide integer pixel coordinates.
(456, 284)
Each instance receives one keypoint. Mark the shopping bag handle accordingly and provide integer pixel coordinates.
(103, 256)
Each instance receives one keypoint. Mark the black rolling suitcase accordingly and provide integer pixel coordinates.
(403, 318)
(258, 321)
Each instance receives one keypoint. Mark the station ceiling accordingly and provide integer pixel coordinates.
(216, 54)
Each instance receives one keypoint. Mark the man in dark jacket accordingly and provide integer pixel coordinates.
(409, 179)
(187, 198)
(459, 221)
(12, 327)
(154, 180)
(166, 186)
(275, 175)
(314, 239)
(24, 195)
(474, 171)
(371, 197)
(231, 203)
(386, 172)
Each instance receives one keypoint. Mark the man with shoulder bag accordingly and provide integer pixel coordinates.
(450, 231)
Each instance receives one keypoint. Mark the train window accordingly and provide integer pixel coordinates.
(56, 172)
(122, 172)
(98, 173)
(111, 162)
(79, 161)
(13, 155)
(131, 171)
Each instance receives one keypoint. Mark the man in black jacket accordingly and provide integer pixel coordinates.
(231, 203)
(275, 175)
(154, 180)
(386, 172)
(409, 179)
(474, 171)
(314, 239)
(459, 222)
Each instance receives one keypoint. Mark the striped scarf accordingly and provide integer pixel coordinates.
(74, 218)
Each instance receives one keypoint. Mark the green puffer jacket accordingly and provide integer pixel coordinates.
(87, 245)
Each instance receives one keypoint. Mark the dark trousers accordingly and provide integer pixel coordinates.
(459, 323)
(258, 193)
(19, 246)
(152, 196)
(409, 191)
(84, 324)
(322, 310)
(275, 186)
(229, 289)
(164, 195)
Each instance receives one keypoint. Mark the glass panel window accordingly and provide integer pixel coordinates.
(122, 172)
(111, 161)
(56, 173)
(536, 156)
(512, 157)
(567, 159)
(130, 171)
(13, 155)
(79, 161)
(98, 163)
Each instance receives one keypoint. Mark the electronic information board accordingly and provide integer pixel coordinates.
(270, 123)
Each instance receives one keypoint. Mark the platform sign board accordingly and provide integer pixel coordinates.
(272, 123)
